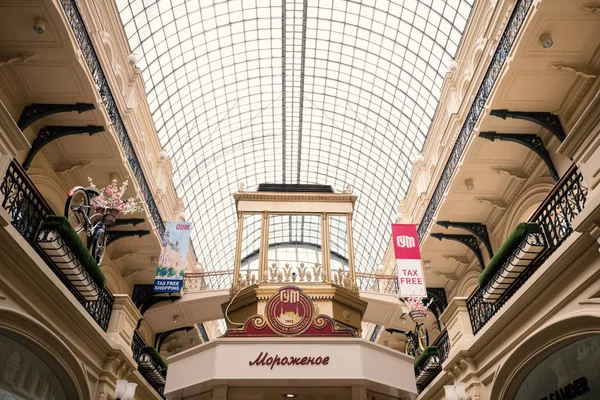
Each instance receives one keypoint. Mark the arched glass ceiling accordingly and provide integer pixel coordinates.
(299, 91)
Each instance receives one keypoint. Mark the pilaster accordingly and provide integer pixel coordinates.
(458, 324)
(123, 321)
(359, 393)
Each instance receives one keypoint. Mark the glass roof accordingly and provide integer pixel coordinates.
(299, 91)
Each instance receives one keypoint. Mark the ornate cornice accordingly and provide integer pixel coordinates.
(304, 197)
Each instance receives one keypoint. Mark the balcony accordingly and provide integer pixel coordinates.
(150, 364)
(27, 210)
(427, 370)
(554, 216)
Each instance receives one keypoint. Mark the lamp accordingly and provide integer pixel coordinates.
(469, 184)
(125, 390)
(456, 392)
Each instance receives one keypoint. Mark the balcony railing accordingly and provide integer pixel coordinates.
(204, 281)
(137, 345)
(387, 284)
(555, 216)
(27, 209)
(443, 349)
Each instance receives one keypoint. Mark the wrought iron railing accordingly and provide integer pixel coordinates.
(443, 349)
(203, 281)
(137, 344)
(377, 283)
(27, 209)
(554, 215)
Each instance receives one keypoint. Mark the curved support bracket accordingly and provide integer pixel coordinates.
(128, 221)
(531, 141)
(37, 111)
(543, 119)
(161, 336)
(52, 132)
(468, 240)
(477, 229)
(113, 236)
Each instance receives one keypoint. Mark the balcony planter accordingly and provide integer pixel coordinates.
(58, 240)
(521, 247)
(153, 365)
(426, 364)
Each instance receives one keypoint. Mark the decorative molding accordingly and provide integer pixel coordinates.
(590, 8)
(498, 203)
(513, 27)
(583, 71)
(459, 259)
(112, 236)
(119, 256)
(515, 173)
(22, 58)
(65, 168)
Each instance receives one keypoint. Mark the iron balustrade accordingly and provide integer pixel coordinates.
(27, 209)
(443, 349)
(377, 283)
(555, 216)
(137, 344)
(203, 281)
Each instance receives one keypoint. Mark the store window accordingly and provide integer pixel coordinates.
(572, 372)
(24, 375)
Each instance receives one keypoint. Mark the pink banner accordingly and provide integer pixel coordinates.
(411, 280)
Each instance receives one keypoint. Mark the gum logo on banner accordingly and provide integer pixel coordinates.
(411, 280)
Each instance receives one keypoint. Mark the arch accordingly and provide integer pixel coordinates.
(114, 281)
(52, 191)
(533, 195)
(564, 330)
(50, 348)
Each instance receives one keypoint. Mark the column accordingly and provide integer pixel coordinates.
(325, 254)
(238, 249)
(350, 250)
(263, 253)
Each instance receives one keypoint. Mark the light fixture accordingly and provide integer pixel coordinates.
(132, 59)
(289, 395)
(39, 25)
(163, 155)
(125, 390)
(469, 184)
(175, 318)
(546, 40)
(456, 392)
(427, 264)
(153, 260)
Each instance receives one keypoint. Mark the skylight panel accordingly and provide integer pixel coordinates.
(231, 83)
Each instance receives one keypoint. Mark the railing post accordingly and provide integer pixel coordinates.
(123, 321)
(458, 325)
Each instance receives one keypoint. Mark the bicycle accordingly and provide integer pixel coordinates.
(78, 211)
(416, 341)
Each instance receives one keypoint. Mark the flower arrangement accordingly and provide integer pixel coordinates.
(415, 308)
(110, 200)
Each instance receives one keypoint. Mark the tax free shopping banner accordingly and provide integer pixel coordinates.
(411, 280)
(171, 263)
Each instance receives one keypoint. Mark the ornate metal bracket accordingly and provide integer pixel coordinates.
(439, 304)
(128, 221)
(531, 141)
(38, 111)
(468, 240)
(144, 297)
(52, 132)
(544, 119)
(477, 229)
(112, 236)
(161, 336)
